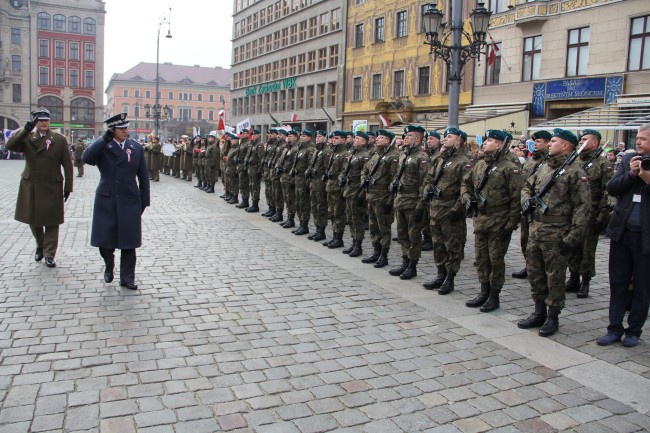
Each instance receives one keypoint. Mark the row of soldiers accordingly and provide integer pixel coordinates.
(430, 185)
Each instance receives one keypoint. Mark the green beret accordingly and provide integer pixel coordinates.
(453, 131)
(591, 132)
(415, 128)
(433, 134)
(566, 135)
(545, 135)
(497, 134)
(339, 133)
(307, 132)
(321, 132)
(362, 135)
(385, 133)
(349, 133)
(255, 131)
(292, 132)
(296, 128)
(273, 131)
(282, 131)
(371, 134)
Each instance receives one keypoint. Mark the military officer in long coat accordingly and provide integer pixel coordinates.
(42, 187)
(119, 199)
(78, 150)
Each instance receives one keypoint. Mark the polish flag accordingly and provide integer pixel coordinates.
(294, 117)
(383, 119)
(222, 120)
(494, 50)
(399, 116)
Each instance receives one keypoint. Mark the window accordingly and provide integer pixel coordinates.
(43, 48)
(89, 78)
(59, 49)
(398, 83)
(301, 98)
(276, 40)
(331, 100)
(89, 26)
(322, 58)
(496, 6)
(43, 21)
(324, 23)
(311, 61)
(58, 77)
(310, 97)
(83, 110)
(493, 68)
(336, 19)
(400, 25)
(16, 63)
(285, 37)
(16, 90)
(293, 34)
(292, 66)
(147, 94)
(639, 52)
(334, 56)
(292, 99)
(74, 25)
(199, 114)
(356, 89)
(43, 76)
(284, 68)
(125, 93)
(170, 95)
(15, 36)
(577, 52)
(74, 50)
(321, 96)
(313, 27)
(210, 114)
(199, 97)
(89, 52)
(380, 31)
(358, 36)
(283, 101)
(125, 108)
(136, 93)
(423, 80)
(303, 30)
(376, 86)
(54, 105)
(275, 70)
(301, 63)
(74, 78)
(532, 58)
(185, 114)
(59, 23)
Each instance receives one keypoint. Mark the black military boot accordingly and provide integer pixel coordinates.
(319, 235)
(289, 223)
(448, 285)
(349, 249)
(481, 298)
(523, 274)
(211, 189)
(552, 323)
(357, 250)
(492, 302)
(536, 319)
(269, 212)
(427, 245)
(410, 271)
(372, 258)
(303, 229)
(277, 217)
(254, 208)
(383, 259)
(243, 204)
(233, 200)
(199, 184)
(311, 235)
(573, 283)
(401, 268)
(329, 241)
(583, 292)
(438, 280)
(337, 242)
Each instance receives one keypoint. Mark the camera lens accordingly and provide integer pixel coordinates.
(645, 162)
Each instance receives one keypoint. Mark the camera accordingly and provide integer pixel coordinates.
(645, 163)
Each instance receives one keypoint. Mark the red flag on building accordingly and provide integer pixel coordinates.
(294, 117)
(383, 119)
(494, 50)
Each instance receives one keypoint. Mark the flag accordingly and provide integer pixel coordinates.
(383, 119)
(193, 131)
(294, 117)
(222, 120)
(7, 133)
(244, 125)
(494, 50)
(399, 116)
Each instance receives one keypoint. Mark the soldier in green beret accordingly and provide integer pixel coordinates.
(268, 159)
(253, 161)
(336, 202)
(242, 170)
(318, 196)
(277, 168)
(303, 202)
(355, 196)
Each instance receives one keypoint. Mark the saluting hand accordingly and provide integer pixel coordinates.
(109, 135)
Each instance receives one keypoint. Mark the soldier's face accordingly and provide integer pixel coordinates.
(211, 139)
(592, 142)
(339, 140)
(432, 142)
(382, 141)
(541, 145)
(121, 134)
(451, 140)
(291, 138)
(643, 142)
(320, 139)
(359, 141)
(491, 145)
(305, 139)
(559, 146)
(43, 125)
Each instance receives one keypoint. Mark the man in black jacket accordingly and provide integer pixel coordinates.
(629, 252)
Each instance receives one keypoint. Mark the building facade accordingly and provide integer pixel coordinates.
(287, 62)
(52, 56)
(190, 97)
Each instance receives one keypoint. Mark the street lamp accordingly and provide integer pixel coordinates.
(456, 54)
(156, 107)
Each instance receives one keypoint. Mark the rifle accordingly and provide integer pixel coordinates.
(536, 201)
(326, 176)
(269, 164)
(310, 171)
(477, 201)
(596, 154)
(396, 184)
(343, 177)
(280, 168)
(370, 178)
(293, 172)
(434, 190)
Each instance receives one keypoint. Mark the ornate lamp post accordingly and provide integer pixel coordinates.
(456, 54)
(156, 107)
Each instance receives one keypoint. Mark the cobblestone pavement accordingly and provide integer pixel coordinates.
(240, 326)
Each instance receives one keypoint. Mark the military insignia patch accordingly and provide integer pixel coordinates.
(516, 171)
(584, 179)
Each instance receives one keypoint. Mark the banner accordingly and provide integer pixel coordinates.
(222, 120)
(359, 125)
(244, 124)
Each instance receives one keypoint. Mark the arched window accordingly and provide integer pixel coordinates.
(59, 23)
(55, 105)
(43, 21)
(82, 110)
(89, 26)
(74, 25)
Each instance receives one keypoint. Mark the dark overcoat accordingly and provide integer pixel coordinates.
(119, 199)
(40, 196)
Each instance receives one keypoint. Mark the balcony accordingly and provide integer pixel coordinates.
(527, 12)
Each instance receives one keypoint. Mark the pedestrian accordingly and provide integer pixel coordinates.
(155, 156)
(629, 248)
(78, 150)
(119, 200)
(43, 189)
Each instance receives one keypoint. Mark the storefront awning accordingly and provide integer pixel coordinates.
(619, 116)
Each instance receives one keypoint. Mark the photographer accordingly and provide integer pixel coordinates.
(629, 251)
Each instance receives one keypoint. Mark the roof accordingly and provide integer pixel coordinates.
(170, 73)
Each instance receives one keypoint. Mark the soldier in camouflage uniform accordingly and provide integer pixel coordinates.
(253, 162)
(494, 219)
(212, 159)
(202, 169)
(317, 194)
(355, 197)
(267, 173)
(200, 182)
(186, 159)
(278, 166)
(232, 176)
(242, 170)
(433, 150)
(335, 200)
(599, 171)
(176, 164)
(554, 233)
(287, 181)
(301, 164)
(224, 149)
(529, 168)
(155, 153)
(409, 207)
(380, 200)
(447, 211)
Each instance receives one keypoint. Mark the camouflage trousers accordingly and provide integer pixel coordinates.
(448, 244)
(254, 182)
(524, 235)
(426, 228)
(546, 272)
(583, 260)
(336, 203)
(303, 201)
(278, 194)
(318, 200)
(210, 176)
(289, 194)
(490, 262)
(409, 233)
(356, 211)
(380, 219)
(232, 182)
(268, 189)
(243, 185)
(195, 167)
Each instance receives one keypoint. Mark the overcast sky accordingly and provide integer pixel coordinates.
(200, 29)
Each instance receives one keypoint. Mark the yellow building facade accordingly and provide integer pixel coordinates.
(388, 69)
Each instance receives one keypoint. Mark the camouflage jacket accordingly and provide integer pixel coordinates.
(318, 164)
(212, 155)
(243, 151)
(338, 159)
(410, 194)
(352, 188)
(269, 155)
(383, 175)
(255, 154)
(599, 172)
(303, 158)
(456, 167)
(533, 164)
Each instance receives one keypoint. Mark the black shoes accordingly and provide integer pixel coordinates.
(49, 262)
(38, 254)
(438, 280)
(108, 274)
(130, 286)
(523, 274)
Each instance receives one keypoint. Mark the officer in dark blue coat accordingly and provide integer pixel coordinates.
(119, 199)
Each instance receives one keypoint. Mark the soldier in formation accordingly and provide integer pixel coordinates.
(270, 151)
(242, 170)
(253, 164)
(298, 172)
(315, 174)
(354, 195)
(335, 200)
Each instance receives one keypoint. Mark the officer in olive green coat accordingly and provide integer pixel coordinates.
(496, 211)
(317, 194)
(155, 155)
(270, 152)
(335, 200)
(78, 150)
(253, 163)
(355, 196)
(555, 232)
(301, 164)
